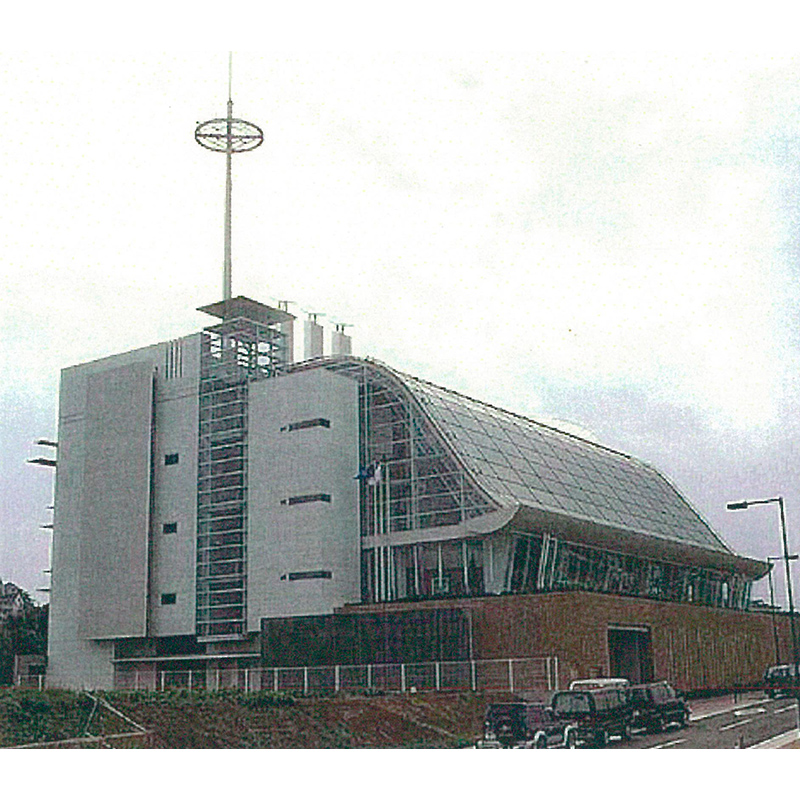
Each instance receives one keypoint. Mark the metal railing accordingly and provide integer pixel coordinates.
(508, 674)
(30, 681)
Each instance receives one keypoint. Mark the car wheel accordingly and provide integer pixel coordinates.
(541, 742)
(684, 720)
(572, 739)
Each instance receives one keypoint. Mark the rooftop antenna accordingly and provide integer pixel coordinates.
(229, 136)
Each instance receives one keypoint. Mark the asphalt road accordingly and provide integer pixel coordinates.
(738, 728)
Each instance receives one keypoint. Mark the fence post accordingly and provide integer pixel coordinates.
(190, 680)
(510, 675)
(275, 679)
(438, 671)
(369, 676)
(473, 675)
(305, 680)
(217, 678)
(162, 680)
(555, 658)
(136, 681)
(337, 680)
(402, 677)
(246, 679)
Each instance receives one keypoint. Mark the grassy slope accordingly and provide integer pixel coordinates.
(182, 719)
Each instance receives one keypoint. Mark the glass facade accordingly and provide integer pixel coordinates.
(436, 458)
(530, 563)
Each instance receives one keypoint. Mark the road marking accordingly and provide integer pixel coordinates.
(785, 708)
(735, 724)
(745, 712)
(694, 718)
(667, 744)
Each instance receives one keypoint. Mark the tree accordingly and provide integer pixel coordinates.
(21, 636)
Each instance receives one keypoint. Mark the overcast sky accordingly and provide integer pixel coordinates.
(607, 242)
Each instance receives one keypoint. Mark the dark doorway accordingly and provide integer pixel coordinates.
(630, 654)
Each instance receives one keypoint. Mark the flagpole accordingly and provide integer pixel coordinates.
(388, 527)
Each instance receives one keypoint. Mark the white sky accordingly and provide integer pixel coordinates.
(609, 240)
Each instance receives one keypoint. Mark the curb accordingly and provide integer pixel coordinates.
(776, 742)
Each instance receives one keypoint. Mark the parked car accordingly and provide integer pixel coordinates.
(523, 724)
(655, 705)
(781, 679)
(594, 714)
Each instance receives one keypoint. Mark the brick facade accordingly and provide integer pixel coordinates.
(692, 646)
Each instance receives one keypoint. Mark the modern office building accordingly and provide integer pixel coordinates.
(214, 498)
(219, 504)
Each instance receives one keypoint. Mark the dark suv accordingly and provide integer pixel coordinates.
(780, 680)
(594, 714)
(523, 725)
(656, 705)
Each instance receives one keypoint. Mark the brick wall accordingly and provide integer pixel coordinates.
(693, 647)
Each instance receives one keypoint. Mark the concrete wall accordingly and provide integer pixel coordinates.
(175, 496)
(315, 536)
(104, 556)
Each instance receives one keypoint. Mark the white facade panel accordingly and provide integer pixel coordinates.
(108, 498)
(174, 523)
(303, 556)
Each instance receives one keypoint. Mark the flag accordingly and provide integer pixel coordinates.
(372, 474)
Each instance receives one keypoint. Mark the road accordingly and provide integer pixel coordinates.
(744, 726)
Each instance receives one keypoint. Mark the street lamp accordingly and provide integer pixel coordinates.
(786, 559)
(772, 608)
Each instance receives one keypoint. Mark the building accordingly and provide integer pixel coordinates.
(217, 504)
(12, 601)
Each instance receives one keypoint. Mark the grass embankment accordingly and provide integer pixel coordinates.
(28, 716)
(233, 719)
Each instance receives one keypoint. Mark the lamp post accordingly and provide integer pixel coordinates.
(772, 608)
(786, 559)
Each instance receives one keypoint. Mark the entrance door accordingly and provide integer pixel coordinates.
(630, 654)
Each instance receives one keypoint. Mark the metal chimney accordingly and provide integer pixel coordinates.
(287, 329)
(341, 343)
(313, 337)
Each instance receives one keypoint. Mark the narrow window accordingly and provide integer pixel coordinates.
(306, 498)
(309, 575)
(170, 458)
(168, 599)
(170, 527)
(319, 422)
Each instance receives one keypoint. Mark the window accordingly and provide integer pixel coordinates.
(170, 458)
(319, 422)
(305, 576)
(170, 527)
(306, 498)
(168, 599)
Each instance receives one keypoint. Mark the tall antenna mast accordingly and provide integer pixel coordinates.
(229, 136)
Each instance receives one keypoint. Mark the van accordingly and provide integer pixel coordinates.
(599, 683)
(595, 714)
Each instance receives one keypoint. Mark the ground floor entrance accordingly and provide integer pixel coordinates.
(630, 654)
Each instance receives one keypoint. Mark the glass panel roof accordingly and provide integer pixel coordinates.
(547, 468)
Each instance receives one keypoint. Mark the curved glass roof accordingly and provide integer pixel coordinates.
(542, 467)
(513, 458)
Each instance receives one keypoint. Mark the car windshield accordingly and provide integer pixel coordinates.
(571, 703)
